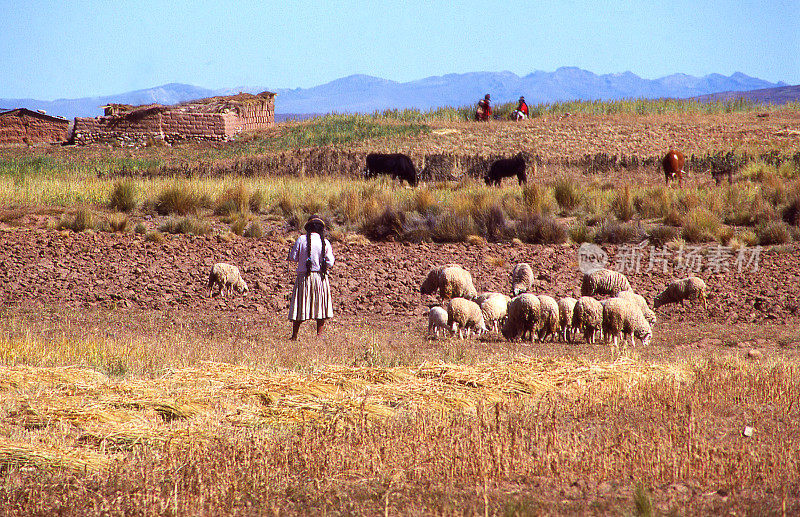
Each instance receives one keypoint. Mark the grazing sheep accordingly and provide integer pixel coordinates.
(550, 318)
(226, 276)
(623, 318)
(686, 289)
(587, 317)
(494, 310)
(451, 280)
(437, 321)
(524, 317)
(463, 314)
(639, 300)
(485, 296)
(604, 281)
(521, 279)
(566, 307)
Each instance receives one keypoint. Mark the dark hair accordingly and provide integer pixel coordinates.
(316, 225)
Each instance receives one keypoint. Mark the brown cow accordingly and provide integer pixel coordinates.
(673, 166)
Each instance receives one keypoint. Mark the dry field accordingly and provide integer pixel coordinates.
(127, 389)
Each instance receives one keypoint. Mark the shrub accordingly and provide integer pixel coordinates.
(661, 235)
(622, 205)
(140, 228)
(541, 229)
(254, 231)
(568, 193)
(124, 196)
(79, 221)
(580, 233)
(451, 227)
(179, 200)
(235, 199)
(775, 232)
(653, 203)
(791, 214)
(423, 201)
(155, 237)
(617, 232)
(536, 199)
(239, 222)
(700, 225)
(119, 223)
(185, 226)
(747, 237)
(673, 217)
(256, 201)
(386, 226)
(492, 224)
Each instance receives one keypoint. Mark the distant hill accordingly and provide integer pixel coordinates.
(779, 95)
(365, 94)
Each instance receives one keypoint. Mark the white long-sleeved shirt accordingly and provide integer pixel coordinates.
(299, 253)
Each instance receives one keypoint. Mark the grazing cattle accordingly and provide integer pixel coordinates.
(506, 168)
(673, 166)
(396, 165)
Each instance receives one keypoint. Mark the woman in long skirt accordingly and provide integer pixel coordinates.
(311, 296)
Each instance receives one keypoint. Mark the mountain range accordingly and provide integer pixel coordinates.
(366, 94)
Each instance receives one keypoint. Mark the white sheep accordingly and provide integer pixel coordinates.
(587, 317)
(686, 289)
(494, 310)
(482, 297)
(524, 317)
(550, 318)
(566, 308)
(623, 318)
(639, 300)
(604, 281)
(226, 276)
(451, 280)
(463, 314)
(521, 279)
(437, 321)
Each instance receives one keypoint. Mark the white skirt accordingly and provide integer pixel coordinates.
(311, 298)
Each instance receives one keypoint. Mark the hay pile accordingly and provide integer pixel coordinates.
(88, 410)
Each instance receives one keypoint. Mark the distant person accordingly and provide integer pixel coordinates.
(521, 112)
(484, 111)
(311, 296)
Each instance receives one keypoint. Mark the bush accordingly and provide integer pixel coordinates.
(155, 237)
(238, 223)
(701, 225)
(254, 231)
(124, 196)
(492, 224)
(661, 235)
(617, 232)
(541, 229)
(388, 225)
(185, 226)
(580, 233)
(140, 228)
(79, 221)
(179, 200)
(775, 232)
(233, 200)
(119, 223)
(622, 205)
(536, 199)
(256, 201)
(451, 227)
(568, 193)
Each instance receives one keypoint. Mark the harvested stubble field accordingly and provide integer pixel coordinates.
(128, 389)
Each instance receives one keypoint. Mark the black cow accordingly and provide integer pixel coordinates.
(506, 168)
(396, 165)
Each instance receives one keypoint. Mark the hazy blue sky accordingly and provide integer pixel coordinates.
(74, 48)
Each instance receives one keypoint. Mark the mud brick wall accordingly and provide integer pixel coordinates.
(170, 126)
(24, 128)
(257, 115)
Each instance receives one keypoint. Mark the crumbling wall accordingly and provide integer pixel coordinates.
(171, 126)
(24, 128)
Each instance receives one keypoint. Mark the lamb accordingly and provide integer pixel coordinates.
(604, 281)
(566, 307)
(521, 279)
(550, 318)
(639, 300)
(451, 280)
(686, 289)
(587, 317)
(494, 309)
(437, 321)
(623, 318)
(524, 317)
(226, 276)
(463, 314)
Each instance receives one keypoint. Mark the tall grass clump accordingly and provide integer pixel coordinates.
(622, 206)
(185, 226)
(700, 225)
(568, 193)
(233, 200)
(541, 229)
(124, 196)
(537, 199)
(179, 199)
(79, 221)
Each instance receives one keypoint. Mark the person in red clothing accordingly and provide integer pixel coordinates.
(522, 110)
(484, 111)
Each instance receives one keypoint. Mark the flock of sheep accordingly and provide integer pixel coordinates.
(625, 315)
